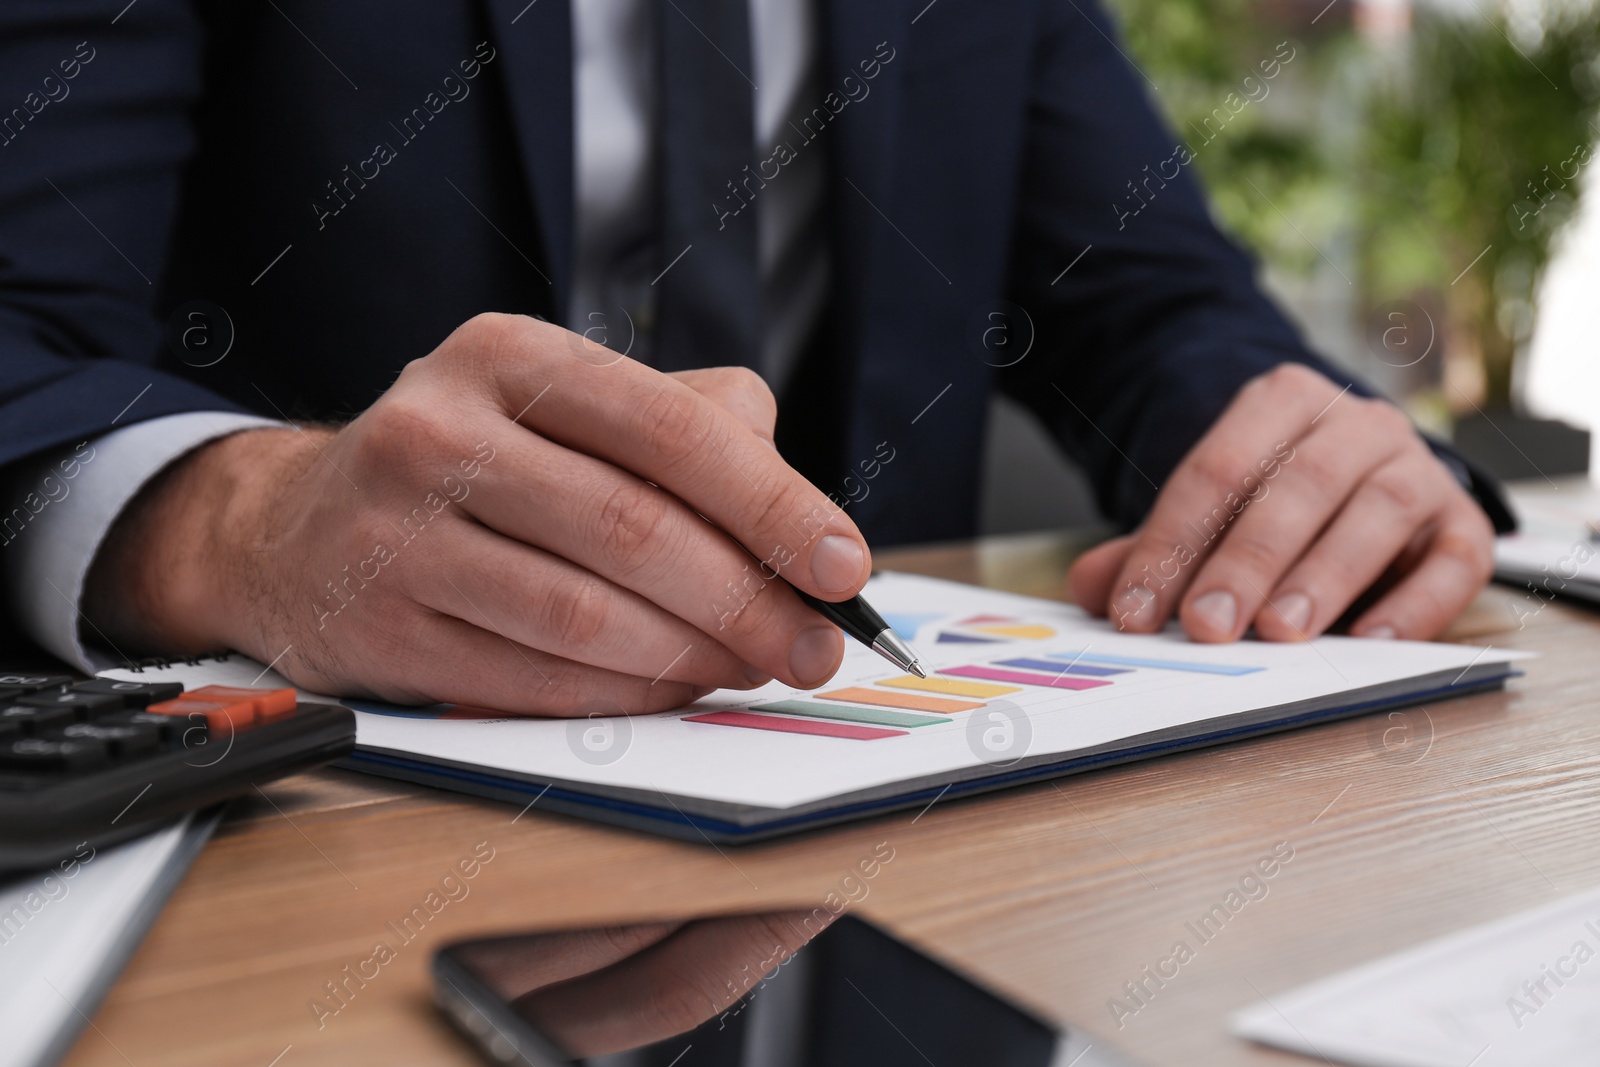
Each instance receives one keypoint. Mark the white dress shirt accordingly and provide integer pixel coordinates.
(44, 567)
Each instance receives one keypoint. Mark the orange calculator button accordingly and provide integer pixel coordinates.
(271, 703)
(220, 716)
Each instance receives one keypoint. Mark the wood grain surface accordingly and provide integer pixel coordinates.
(1401, 828)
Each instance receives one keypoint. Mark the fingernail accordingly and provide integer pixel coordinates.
(813, 654)
(1381, 633)
(1217, 609)
(1295, 609)
(836, 563)
(756, 676)
(1134, 607)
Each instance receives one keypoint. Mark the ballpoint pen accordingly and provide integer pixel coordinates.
(858, 619)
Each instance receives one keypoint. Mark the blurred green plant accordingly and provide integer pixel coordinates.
(1270, 163)
(1418, 153)
(1475, 144)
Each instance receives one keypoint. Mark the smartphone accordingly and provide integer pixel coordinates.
(781, 989)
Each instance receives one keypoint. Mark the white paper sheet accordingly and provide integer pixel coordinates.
(1552, 554)
(1523, 990)
(66, 933)
(662, 754)
(1548, 566)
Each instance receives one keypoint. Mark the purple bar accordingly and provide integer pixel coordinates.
(993, 674)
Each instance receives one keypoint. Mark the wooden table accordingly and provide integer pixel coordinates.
(1059, 893)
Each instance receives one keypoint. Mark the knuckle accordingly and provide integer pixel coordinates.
(668, 431)
(1390, 419)
(1294, 378)
(785, 508)
(1398, 490)
(1257, 554)
(404, 429)
(486, 329)
(629, 523)
(575, 609)
(752, 386)
(1321, 472)
(1221, 470)
(1471, 545)
(488, 345)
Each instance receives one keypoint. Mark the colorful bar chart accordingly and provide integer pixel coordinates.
(893, 707)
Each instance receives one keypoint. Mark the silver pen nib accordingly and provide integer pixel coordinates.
(889, 645)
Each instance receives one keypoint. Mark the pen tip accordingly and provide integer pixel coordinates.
(895, 649)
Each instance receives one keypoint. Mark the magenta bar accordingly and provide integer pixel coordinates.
(995, 674)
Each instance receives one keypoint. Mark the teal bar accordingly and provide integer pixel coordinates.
(848, 713)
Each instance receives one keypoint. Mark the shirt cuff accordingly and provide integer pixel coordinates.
(66, 504)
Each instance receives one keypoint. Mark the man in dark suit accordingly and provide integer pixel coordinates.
(252, 397)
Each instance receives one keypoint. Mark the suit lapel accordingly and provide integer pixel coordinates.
(862, 169)
(854, 32)
(535, 40)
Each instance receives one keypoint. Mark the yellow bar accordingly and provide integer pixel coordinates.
(950, 686)
(1037, 633)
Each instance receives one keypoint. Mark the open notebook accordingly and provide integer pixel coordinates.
(1024, 689)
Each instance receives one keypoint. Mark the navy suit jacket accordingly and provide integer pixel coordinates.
(351, 179)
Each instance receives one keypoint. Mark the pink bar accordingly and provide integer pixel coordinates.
(995, 674)
(793, 726)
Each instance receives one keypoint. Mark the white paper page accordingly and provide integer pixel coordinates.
(1565, 566)
(1523, 990)
(62, 931)
(663, 753)
(1553, 548)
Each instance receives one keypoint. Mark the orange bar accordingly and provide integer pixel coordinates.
(900, 700)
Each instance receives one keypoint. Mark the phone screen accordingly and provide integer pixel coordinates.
(782, 989)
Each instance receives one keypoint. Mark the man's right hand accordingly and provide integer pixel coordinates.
(516, 524)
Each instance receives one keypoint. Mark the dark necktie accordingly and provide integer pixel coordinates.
(708, 310)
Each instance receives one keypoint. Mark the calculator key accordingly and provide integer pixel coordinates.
(169, 728)
(38, 753)
(270, 703)
(33, 682)
(83, 704)
(133, 694)
(28, 718)
(221, 717)
(121, 740)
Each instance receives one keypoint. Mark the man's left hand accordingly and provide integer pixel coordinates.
(1299, 500)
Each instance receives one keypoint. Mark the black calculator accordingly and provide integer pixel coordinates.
(103, 760)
